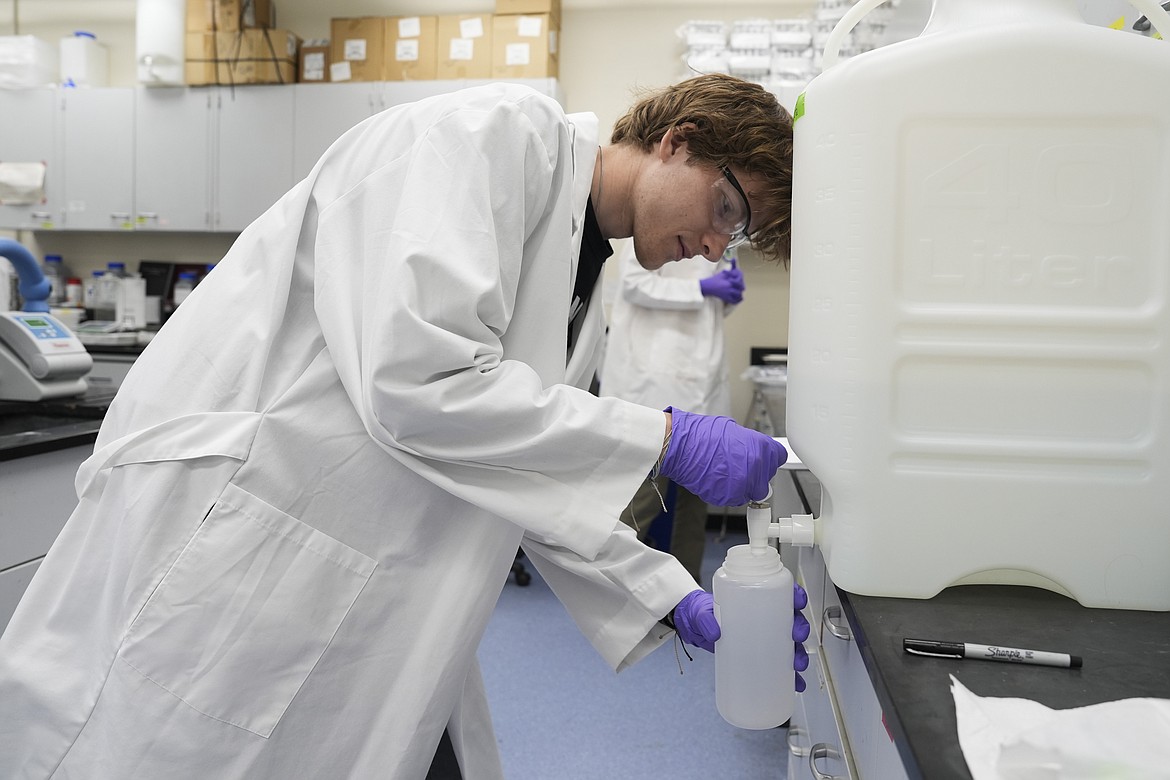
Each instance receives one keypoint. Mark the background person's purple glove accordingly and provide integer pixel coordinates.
(800, 632)
(719, 460)
(727, 285)
(694, 620)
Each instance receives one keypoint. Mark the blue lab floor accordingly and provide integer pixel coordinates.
(560, 713)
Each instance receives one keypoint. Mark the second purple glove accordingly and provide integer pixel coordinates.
(694, 620)
(719, 460)
(727, 285)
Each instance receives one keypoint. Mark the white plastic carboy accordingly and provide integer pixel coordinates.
(979, 327)
(754, 680)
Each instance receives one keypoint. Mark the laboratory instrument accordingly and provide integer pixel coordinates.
(980, 306)
(39, 356)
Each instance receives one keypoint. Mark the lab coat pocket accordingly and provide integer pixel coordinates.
(246, 611)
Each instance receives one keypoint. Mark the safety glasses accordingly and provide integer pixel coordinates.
(730, 213)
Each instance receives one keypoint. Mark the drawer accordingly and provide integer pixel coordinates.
(871, 747)
(799, 741)
(829, 749)
(38, 498)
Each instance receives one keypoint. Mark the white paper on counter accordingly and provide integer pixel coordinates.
(1020, 739)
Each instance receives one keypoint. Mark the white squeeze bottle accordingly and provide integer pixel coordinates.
(754, 681)
(979, 332)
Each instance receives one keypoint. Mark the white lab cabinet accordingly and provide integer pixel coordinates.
(172, 155)
(324, 111)
(253, 152)
(38, 499)
(210, 158)
(184, 158)
(97, 143)
(28, 134)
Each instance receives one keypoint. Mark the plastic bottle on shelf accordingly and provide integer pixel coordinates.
(91, 293)
(54, 271)
(73, 292)
(183, 286)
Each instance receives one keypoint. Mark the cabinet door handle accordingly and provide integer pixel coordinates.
(39, 214)
(830, 617)
(795, 735)
(148, 215)
(823, 750)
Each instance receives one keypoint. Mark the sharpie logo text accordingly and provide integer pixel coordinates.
(1007, 654)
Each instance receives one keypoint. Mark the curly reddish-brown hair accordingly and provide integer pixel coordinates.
(735, 122)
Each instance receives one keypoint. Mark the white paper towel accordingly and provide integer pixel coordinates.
(1018, 739)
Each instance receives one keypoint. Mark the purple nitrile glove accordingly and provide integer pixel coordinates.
(719, 460)
(800, 632)
(727, 285)
(694, 620)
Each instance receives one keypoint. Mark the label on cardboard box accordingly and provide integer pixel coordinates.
(552, 41)
(461, 49)
(471, 28)
(528, 26)
(409, 27)
(355, 49)
(314, 66)
(406, 51)
(340, 71)
(517, 54)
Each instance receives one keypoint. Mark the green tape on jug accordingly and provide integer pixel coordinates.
(799, 112)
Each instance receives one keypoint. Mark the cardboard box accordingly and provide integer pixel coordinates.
(228, 15)
(552, 7)
(356, 49)
(411, 48)
(314, 61)
(524, 46)
(246, 57)
(465, 46)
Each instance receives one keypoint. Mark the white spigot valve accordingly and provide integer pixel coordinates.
(798, 530)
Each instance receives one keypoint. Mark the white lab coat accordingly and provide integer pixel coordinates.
(309, 491)
(665, 344)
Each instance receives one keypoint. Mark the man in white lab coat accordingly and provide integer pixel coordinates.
(309, 490)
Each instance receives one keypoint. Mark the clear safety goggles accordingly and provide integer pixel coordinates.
(730, 213)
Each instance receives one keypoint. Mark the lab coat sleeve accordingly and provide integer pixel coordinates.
(421, 265)
(655, 290)
(617, 599)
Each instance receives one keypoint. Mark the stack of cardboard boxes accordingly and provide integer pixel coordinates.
(520, 40)
(232, 42)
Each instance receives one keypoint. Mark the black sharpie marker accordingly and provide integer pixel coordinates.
(1012, 655)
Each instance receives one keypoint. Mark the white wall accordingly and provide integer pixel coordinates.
(610, 50)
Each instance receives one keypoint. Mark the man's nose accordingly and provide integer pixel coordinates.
(714, 245)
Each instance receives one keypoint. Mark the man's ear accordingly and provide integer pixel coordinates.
(675, 140)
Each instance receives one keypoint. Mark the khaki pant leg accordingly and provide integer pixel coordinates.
(689, 532)
(645, 507)
(689, 535)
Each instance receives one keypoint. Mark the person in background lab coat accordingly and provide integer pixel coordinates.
(665, 346)
(310, 488)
